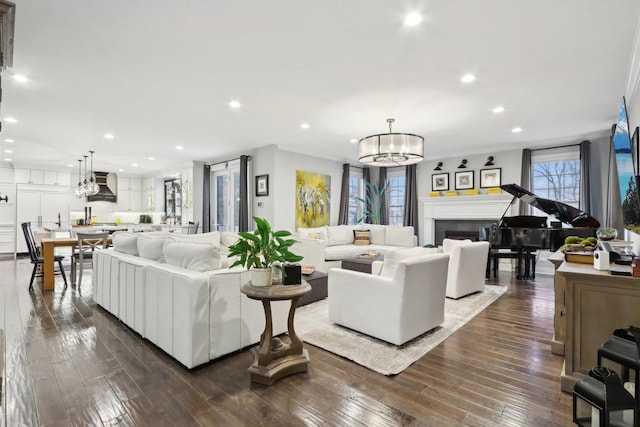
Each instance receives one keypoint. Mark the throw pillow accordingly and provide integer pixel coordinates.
(125, 242)
(151, 247)
(192, 256)
(361, 237)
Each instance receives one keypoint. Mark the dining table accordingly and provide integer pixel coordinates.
(48, 245)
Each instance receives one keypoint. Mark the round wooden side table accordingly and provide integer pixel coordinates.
(276, 358)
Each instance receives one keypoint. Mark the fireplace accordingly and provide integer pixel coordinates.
(460, 228)
(464, 213)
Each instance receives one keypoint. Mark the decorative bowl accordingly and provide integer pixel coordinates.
(606, 233)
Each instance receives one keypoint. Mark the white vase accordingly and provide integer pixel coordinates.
(261, 276)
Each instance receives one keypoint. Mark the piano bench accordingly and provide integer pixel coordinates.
(525, 266)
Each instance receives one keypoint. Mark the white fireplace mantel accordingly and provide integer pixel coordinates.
(462, 207)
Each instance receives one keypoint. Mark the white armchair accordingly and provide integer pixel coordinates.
(467, 266)
(404, 301)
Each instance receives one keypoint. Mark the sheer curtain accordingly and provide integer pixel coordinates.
(343, 214)
(411, 198)
(366, 177)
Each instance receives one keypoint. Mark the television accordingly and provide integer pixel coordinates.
(626, 160)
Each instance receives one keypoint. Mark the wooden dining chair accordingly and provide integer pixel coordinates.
(36, 259)
(87, 244)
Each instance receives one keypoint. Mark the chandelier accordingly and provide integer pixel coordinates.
(86, 187)
(391, 149)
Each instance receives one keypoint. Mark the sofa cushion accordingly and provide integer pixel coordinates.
(151, 247)
(192, 255)
(377, 233)
(125, 242)
(399, 236)
(392, 258)
(341, 234)
(361, 237)
(319, 233)
(212, 237)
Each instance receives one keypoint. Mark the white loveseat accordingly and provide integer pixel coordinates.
(326, 247)
(178, 292)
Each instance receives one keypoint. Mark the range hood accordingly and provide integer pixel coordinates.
(105, 194)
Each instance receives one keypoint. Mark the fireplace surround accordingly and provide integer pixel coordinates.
(474, 210)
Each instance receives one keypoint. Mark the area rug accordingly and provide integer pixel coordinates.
(313, 326)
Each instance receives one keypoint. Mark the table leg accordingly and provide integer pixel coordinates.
(48, 278)
(296, 343)
(264, 354)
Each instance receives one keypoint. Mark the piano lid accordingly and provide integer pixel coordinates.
(565, 213)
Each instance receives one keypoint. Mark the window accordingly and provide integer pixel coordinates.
(356, 189)
(225, 197)
(396, 178)
(555, 175)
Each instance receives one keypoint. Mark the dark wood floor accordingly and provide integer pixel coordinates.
(68, 362)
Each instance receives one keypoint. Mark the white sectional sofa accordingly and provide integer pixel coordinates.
(178, 292)
(326, 247)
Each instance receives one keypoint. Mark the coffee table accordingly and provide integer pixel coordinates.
(318, 282)
(360, 264)
(276, 358)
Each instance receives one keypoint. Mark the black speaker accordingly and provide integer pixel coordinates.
(292, 274)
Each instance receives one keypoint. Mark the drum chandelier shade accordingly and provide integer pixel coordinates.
(391, 149)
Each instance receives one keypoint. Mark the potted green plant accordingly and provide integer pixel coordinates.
(262, 250)
(372, 202)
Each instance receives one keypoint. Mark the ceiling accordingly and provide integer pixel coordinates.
(161, 74)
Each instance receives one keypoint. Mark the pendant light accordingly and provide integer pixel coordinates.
(391, 149)
(92, 187)
(79, 190)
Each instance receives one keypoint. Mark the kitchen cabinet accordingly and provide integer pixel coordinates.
(7, 175)
(7, 218)
(29, 176)
(57, 178)
(149, 194)
(173, 199)
(40, 205)
(129, 194)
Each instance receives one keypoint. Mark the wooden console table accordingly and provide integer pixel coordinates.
(596, 304)
(276, 358)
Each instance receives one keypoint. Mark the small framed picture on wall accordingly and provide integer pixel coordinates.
(262, 185)
(490, 177)
(440, 181)
(464, 180)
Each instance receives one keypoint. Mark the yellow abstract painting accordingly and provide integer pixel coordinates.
(313, 196)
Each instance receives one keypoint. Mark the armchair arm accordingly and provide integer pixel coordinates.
(312, 251)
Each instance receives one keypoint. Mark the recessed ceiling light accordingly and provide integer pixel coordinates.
(108, 136)
(497, 110)
(516, 130)
(10, 120)
(353, 140)
(21, 78)
(179, 147)
(305, 126)
(9, 140)
(412, 19)
(70, 165)
(150, 158)
(120, 170)
(468, 78)
(8, 151)
(235, 104)
(6, 159)
(135, 165)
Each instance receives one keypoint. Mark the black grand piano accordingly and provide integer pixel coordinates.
(524, 235)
